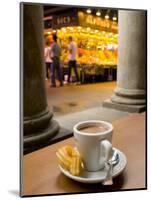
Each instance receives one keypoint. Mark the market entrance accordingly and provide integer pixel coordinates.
(96, 36)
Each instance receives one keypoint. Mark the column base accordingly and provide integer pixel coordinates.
(124, 107)
(37, 140)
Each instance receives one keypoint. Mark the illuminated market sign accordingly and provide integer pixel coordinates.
(79, 18)
(97, 22)
(64, 20)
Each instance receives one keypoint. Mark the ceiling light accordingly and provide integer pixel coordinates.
(106, 16)
(114, 18)
(89, 11)
(98, 13)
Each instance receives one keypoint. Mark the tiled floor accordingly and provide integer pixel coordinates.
(75, 98)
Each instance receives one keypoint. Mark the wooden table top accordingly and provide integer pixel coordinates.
(41, 175)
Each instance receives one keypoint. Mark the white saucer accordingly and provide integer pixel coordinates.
(99, 176)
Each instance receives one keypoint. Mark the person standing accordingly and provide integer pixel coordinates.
(72, 48)
(55, 53)
(48, 60)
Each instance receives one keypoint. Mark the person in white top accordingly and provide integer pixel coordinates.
(72, 48)
(47, 58)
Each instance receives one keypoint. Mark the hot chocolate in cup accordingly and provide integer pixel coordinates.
(93, 140)
(93, 129)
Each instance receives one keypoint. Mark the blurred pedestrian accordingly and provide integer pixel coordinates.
(72, 48)
(55, 67)
(47, 58)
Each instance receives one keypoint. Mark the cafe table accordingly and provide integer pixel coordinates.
(41, 174)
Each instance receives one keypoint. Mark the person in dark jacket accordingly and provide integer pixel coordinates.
(55, 66)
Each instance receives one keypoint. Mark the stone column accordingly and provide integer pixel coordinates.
(130, 93)
(39, 126)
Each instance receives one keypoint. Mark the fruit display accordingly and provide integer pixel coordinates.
(95, 47)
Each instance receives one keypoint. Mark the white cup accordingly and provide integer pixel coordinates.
(95, 148)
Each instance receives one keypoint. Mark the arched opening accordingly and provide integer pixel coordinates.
(95, 33)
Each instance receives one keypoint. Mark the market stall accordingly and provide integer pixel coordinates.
(97, 41)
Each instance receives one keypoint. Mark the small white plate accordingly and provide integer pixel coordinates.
(99, 176)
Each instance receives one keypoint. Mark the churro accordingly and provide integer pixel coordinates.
(70, 159)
